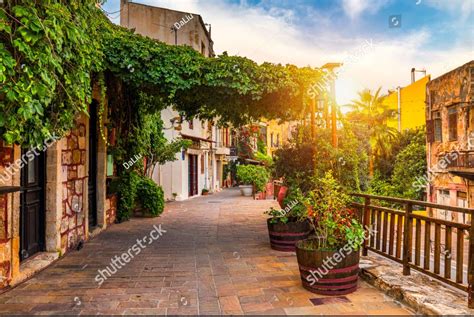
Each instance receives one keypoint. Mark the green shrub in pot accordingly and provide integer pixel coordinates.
(252, 175)
(339, 236)
(289, 225)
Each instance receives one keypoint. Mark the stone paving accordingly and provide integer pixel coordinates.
(214, 258)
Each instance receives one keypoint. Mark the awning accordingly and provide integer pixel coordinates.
(196, 138)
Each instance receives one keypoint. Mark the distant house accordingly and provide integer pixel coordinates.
(409, 105)
(202, 165)
(450, 139)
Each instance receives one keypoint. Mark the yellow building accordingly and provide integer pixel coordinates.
(277, 134)
(412, 105)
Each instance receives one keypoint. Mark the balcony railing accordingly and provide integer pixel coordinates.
(457, 159)
(421, 242)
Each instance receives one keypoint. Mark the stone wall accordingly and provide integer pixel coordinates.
(6, 158)
(74, 187)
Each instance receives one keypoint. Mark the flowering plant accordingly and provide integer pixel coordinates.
(334, 222)
(295, 210)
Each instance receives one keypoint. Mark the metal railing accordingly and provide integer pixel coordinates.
(420, 242)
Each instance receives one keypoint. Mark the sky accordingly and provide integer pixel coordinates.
(379, 41)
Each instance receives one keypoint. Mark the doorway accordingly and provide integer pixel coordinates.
(32, 206)
(92, 179)
(193, 175)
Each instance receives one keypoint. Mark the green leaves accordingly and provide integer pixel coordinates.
(46, 55)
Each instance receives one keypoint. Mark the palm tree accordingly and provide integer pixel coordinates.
(371, 111)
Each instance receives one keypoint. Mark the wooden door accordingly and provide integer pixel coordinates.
(32, 206)
(192, 175)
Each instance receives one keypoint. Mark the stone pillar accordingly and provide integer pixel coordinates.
(101, 179)
(14, 217)
(54, 195)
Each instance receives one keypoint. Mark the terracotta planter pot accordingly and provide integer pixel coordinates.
(328, 279)
(261, 196)
(282, 195)
(283, 236)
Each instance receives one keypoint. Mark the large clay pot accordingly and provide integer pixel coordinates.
(283, 236)
(327, 279)
(246, 190)
(282, 195)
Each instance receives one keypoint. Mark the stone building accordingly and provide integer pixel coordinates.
(202, 165)
(53, 198)
(450, 139)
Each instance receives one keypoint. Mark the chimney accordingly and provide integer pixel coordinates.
(412, 75)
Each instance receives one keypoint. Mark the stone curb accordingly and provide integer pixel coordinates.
(421, 293)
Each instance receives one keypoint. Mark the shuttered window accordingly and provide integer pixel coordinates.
(453, 124)
(430, 131)
(437, 127)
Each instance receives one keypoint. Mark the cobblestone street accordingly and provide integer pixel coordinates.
(214, 258)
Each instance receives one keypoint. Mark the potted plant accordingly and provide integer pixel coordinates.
(250, 176)
(329, 262)
(205, 191)
(288, 225)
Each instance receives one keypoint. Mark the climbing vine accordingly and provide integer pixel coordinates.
(100, 111)
(47, 52)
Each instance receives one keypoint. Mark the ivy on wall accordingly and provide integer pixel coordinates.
(48, 50)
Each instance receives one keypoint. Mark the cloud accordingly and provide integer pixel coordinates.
(354, 8)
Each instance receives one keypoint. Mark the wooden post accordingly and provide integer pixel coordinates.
(470, 273)
(366, 224)
(407, 239)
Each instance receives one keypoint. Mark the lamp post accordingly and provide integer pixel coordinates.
(332, 84)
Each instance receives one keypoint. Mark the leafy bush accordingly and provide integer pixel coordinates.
(150, 196)
(126, 188)
(334, 223)
(133, 188)
(305, 160)
(394, 176)
(264, 158)
(294, 163)
(253, 175)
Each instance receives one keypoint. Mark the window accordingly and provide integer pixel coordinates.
(202, 164)
(453, 123)
(443, 198)
(271, 139)
(203, 49)
(278, 140)
(438, 132)
(191, 124)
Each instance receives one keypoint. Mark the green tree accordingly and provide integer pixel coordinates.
(370, 112)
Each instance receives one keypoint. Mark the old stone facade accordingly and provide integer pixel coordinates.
(450, 139)
(8, 202)
(62, 206)
(74, 181)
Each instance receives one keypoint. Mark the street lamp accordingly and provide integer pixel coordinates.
(330, 67)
